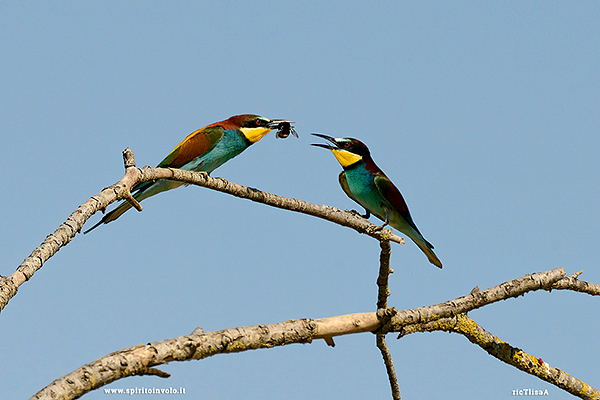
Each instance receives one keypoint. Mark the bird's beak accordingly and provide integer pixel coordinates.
(284, 127)
(329, 139)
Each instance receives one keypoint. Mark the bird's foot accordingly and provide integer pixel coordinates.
(379, 228)
(354, 213)
(367, 215)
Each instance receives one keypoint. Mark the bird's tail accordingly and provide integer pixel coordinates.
(144, 191)
(427, 248)
(111, 216)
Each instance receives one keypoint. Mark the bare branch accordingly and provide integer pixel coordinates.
(129, 162)
(198, 345)
(156, 372)
(385, 315)
(139, 359)
(68, 229)
(389, 365)
(572, 283)
(128, 158)
(505, 352)
(122, 190)
(472, 301)
(384, 273)
(328, 213)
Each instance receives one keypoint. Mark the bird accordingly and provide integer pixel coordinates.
(366, 184)
(205, 149)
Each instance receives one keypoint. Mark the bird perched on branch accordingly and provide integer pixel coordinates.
(367, 185)
(205, 150)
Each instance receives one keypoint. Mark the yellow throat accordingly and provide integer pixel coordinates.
(255, 134)
(345, 158)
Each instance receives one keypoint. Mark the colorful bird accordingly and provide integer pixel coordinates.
(367, 185)
(205, 150)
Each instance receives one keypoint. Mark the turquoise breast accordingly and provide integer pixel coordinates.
(232, 144)
(362, 185)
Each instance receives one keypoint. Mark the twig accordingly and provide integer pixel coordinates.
(472, 301)
(384, 315)
(129, 161)
(155, 372)
(389, 365)
(384, 272)
(572, 283)
(505, 352)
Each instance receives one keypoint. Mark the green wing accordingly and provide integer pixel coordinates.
(393, 196)
(390, 192)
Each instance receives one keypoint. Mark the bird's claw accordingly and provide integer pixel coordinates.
(357, 214)
(354, 212)
(379, 228)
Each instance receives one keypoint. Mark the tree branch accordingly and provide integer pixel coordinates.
(332, 214)
(389, 365)
(137, 360)
(122, 190)
(472, 301)
(572, 283)
(384, 272)
(382, 295)
(67, 230)
(505, 352)
(384, 314)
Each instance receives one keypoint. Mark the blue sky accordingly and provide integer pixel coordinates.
(484, 114)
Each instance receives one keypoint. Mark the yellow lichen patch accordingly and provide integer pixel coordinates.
(447, 324)
(385, 234)
(468, 327)
(586, 391)
(504, 351)
(235, 346)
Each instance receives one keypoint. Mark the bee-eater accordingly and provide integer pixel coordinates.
(367, 185)
(205, 150)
